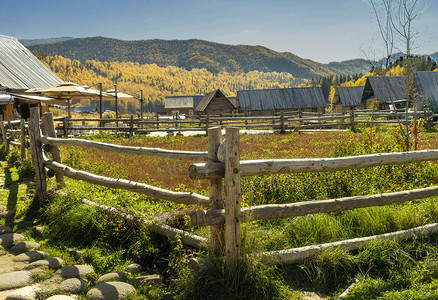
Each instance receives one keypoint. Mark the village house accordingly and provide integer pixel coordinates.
(214, 102)
(20, 70)
(383, 91)
(181, 105)
(268, 101)
(347, 98)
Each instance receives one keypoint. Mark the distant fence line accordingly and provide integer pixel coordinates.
(222, 167)
(283, 121)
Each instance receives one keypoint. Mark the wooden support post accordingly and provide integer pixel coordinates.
(233, 195)
(37, 156)
(4, 136)
(207, 123)
(49, 130)
(282, 128)
(352, 117)
(23, 139)
(65, 125)
(131, 126)
(158, 121)
(217, 242)
(300, 115)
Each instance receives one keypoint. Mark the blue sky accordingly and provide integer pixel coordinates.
(320, 30)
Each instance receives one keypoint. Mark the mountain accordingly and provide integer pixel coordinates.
(27, 42)
(190, 54)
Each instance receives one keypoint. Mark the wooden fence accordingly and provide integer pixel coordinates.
(281, 121)
(222, 209)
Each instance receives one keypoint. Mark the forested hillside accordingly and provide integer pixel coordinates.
(196, 54)
(158, 82)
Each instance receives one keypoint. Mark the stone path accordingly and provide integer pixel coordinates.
(24, 273)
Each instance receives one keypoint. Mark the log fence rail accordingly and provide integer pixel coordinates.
(222, 210)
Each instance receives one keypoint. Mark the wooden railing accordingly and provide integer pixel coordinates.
(223, 169)
(281, 122)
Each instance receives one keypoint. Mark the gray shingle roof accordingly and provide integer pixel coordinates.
(385, 89)
(281, 99)
(20, 69)
(427, 85)
(350, 95)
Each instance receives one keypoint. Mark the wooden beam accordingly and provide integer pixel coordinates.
(183, 198)
(274, 211)
(156, 152)
(49, 130)
(233, 194)
(157, 228)
(308, 165)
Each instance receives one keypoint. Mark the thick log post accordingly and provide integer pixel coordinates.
(23, 139)
(233, 195)
(282, 128)
(217, 239)
(4, 136)
(49, 130)
(37, 156)
(131, 126)
(65, 125)
(352, 117)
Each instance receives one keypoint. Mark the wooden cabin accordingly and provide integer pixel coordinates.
(269, 101)
(383, 91)
(214, 103)
(20, 70)
(181, 105)
(347, 98)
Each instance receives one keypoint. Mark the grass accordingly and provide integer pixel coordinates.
(389, 270)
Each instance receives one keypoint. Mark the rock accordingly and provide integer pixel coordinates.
(114, 290)
(141, 280)
(60, 297)
(51, 262)
(24, 246)
(116, 276)
(14, 280)
(168, 296)
(134, 268)
(7, 239)
(75, 271)
(26, 293)
(6, 213)
(73, 286)
(30, 256)
(5, 229)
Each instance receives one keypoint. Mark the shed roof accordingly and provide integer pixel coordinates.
(280, 99)
(385, 89)
(427, 85)
(207, 99)
(20, 69)
(349, 95)
(189, 101)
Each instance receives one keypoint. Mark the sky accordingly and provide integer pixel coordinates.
(320, 30)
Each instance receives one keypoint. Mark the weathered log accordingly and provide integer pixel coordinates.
(274, 211)
(49, 130)
(157, 228)
(233, 195)
(157, 152)
(181, 197)
(297, 255)
(307, 165)
(216, 190)
(37, 155)
(4, 136)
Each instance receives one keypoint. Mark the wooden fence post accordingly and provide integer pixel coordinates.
(352, 118)
(131, 126)
(4, 136)
(65, 125)
(217, 242)
(37, 156)
(23, 139)
(49, 130)
(233, 195)
(282, 128)
(207, 123)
